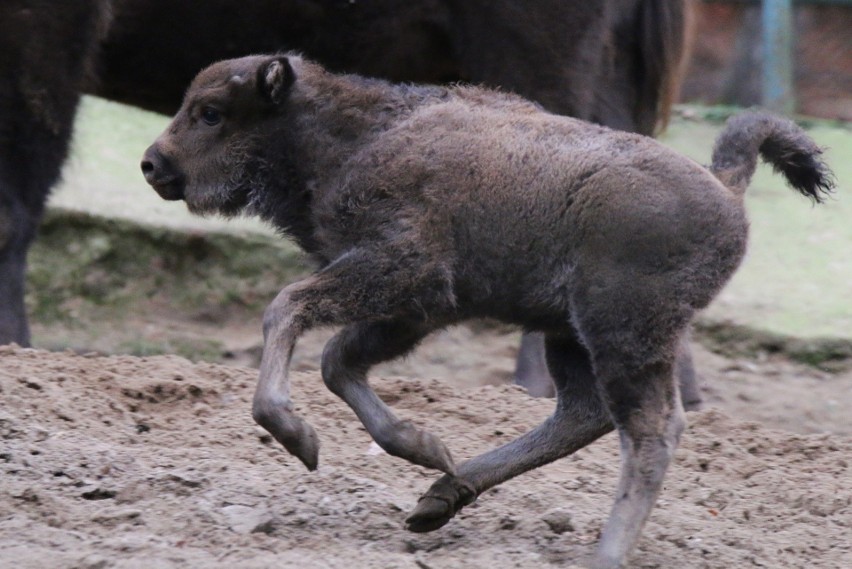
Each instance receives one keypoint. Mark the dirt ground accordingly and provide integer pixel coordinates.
(131, 462)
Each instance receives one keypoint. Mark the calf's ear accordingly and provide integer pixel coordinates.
(274, 79)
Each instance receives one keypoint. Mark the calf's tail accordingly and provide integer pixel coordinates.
(781, 143)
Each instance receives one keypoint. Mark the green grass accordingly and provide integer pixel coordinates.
(117, 264)
(113, 285)
(796, 280)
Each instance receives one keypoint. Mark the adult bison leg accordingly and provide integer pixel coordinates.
(531, 371)
(360, 286)
(45, 49)
(346, 360)
(33, 145)
(580, 418)
(17, 229)
(687, 378)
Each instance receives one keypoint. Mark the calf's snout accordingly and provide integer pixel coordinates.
(161, 175)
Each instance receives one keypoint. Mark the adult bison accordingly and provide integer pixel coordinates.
(614, 62)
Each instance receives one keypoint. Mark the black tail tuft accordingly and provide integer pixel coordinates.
(781, 143)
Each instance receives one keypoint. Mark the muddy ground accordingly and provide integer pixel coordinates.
(129, 462)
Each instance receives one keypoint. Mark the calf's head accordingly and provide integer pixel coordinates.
(215, 152)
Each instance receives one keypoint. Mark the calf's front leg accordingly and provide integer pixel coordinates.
(272, 407)
(389, 298)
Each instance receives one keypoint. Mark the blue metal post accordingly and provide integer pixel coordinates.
(778, 56)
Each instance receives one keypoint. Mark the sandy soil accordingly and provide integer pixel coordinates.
(154, 462)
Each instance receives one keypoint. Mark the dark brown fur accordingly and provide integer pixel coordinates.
(616, 62)
(613, 61)
(40, 85)
(425, 206)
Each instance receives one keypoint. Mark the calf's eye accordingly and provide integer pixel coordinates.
(211, 116)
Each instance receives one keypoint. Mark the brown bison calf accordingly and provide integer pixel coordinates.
(425, 206)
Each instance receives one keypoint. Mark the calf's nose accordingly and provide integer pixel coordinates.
(147, 168)
(151, 165)
(161, 175)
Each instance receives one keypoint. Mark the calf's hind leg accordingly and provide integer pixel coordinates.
(345, 362)
(580, 418)
(644, 402)
(633, 387)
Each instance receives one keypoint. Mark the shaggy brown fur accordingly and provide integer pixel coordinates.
(616, 62)
(424, 206)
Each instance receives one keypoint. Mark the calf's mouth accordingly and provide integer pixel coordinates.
(157, 172)
(170, 189)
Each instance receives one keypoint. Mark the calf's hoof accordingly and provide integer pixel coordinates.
(298, 437)
(417, 446)
(440, 504)
(306, 445)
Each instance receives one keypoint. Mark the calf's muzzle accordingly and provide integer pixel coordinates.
(161, 175)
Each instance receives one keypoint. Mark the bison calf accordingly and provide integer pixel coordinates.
(425, 206)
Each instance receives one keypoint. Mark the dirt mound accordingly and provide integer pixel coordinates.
(154, 462)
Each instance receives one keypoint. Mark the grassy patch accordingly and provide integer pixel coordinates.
(102, 281)
(192, 349)
(116, 263)
(733, 340)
